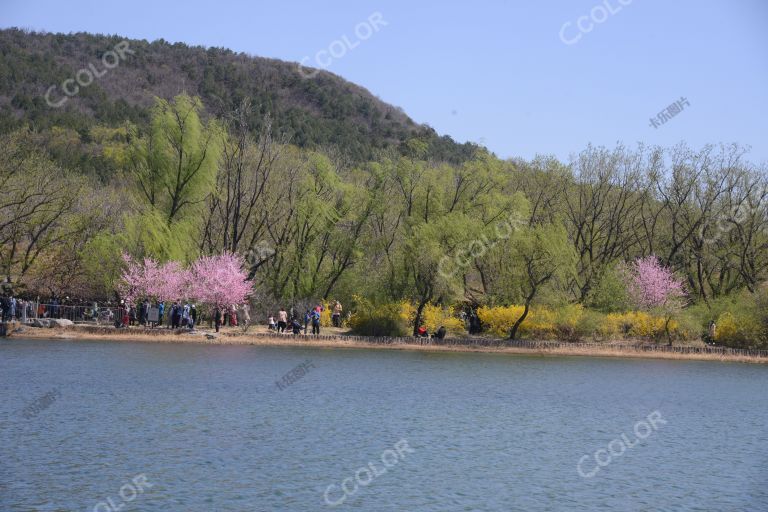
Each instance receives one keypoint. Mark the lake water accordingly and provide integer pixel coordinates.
(94, 426)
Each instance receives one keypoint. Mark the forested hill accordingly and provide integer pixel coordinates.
(322, 111)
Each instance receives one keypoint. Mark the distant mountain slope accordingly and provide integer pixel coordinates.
(322, 111)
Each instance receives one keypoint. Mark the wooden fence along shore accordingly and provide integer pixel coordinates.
(461, 342)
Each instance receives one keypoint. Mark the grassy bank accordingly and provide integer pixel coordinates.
(336, 339)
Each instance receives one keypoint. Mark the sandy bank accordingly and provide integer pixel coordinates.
(258, 336)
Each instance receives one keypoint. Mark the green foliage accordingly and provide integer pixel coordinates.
(176, 162)
(174, 167)
(322, 112)
(610, 293)
(741, 319)
(148, 233)
(103, 263)
(588, 325)
(381, 320)
(533, 259)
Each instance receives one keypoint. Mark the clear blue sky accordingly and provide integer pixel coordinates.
(494, 71)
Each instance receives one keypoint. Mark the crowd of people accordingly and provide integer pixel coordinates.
(17, 309)
(24, 310)
(229, 316)
(186, 315)
(180, 315)
(297, 323)
(13, 309)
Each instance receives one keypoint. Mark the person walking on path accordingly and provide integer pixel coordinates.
(336, 317)
(282, 320)
(307, 320)
(246, 315)
(316, 322)
(295, 326)
(233, 315)
(217, 318)
(175, 315)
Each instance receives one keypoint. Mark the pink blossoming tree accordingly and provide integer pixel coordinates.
(654, 288)
(219, 281)
(152, 280)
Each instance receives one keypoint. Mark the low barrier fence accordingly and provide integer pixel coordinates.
(464, 342)
(30, 310)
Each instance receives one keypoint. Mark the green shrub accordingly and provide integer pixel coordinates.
(687, 327)
(379, 321)
(566, 321)
(741, 319)
(609, 295)
(588, 326)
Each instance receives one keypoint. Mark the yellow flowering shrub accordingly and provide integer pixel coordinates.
(498, 320)
(435, 316)
(432, 316)
(638, 324)
(571, 323)
(738, 329)
(407, 311)
(612, 326)
(568, 323)
(541, 322)
(726, 327)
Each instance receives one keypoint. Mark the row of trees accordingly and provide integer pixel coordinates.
(704, 213)
(310, 225)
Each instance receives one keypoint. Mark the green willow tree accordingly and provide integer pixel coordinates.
(174, 165)
(533, 259)
(43, 210)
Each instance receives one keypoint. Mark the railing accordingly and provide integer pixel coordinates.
(101, 315)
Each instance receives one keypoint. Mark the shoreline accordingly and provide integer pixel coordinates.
(256, 338)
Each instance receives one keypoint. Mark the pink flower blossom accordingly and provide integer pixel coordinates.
(652, 286)
(214, 280)
(219, 280)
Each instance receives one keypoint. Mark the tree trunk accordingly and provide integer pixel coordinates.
(417, 320)
(519, 321)
(666, 330)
